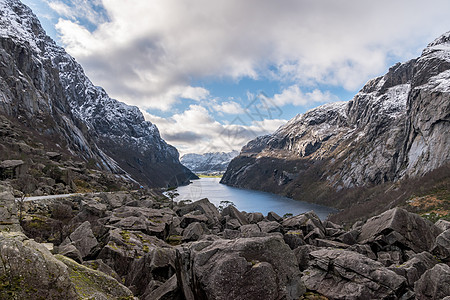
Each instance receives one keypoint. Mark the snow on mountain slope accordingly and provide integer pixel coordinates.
(396, 127)
(111, 132)
(208, 162)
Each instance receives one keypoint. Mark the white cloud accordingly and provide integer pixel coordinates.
(229, 107)
(195, 130)
(195, 93)
(146, 50)
(79, 9)
(61, 9)
(294, 95)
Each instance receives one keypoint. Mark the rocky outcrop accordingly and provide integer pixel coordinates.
(342, 274)
(82, 239)
(396, 127)
(9, 220)
(30, 271)
(434, 283)
(90, 283)
(47, 90)
(261, 267)
(399, 228)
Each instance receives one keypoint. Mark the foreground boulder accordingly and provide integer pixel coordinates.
(441, 247)
(434, 284)
(83, 239)
(8, 210)
(399, 228)
(151, 271)
(204, 207)
(92, 284)
(258, 267)
(31, 270)
(414, 268)
(342, 274)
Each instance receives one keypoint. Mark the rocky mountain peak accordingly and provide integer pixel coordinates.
(93, 125)
(443, 40)
(395, 127)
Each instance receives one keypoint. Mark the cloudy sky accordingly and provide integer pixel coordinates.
(212, 74)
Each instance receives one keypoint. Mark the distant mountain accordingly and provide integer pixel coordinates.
(396, 128)
(45, 89)
(208, 162)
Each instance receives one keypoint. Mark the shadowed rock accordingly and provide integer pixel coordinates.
(342, 274)
(434, 284)
(261, 267)
(413, 269)
(400, 228)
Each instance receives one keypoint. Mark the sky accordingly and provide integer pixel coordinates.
(213, 74)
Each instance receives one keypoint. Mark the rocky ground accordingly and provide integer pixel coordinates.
(130, 244)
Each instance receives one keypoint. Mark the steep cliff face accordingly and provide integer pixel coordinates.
(396, 127)
(47, 90)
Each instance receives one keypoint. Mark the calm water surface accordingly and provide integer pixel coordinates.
(247, 200)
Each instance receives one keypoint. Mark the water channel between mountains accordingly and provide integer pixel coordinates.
(247, 200)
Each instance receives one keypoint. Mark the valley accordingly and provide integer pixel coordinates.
(348, 200)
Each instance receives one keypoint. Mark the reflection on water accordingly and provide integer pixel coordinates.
(247, 200)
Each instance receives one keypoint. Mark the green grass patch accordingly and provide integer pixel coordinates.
(209, 175)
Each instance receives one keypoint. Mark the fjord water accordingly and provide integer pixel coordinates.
(247, 200)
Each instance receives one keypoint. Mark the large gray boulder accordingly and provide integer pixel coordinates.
(307, 222)
(151, 271)
(342, 274)
(167, 291)
(442, 224)
(413, 269)
(206, 208)
(148, 220)
(82, 239)
(400, 228)
(441, 246)
(93, 284)
(434, 284)
(194, 231)
(8, 210)
(270, 226)
(29, 271)
(244, 268)
(123, 247)
(234, 213)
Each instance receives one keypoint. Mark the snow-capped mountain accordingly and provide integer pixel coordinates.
(43, 85)
(396, 127)
(208, 162)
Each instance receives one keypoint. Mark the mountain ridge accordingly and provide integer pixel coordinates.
(83, 116)
(208, 162)
(396, 127)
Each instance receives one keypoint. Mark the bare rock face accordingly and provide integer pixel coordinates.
(342, 274)
(94, 284)
(263, 267)
(434, 283)
(8, 210)
(152, 271)
(31, 270)
(414, 268)
(441, 246)
(399, 228)
(205, 208)
(83, 239)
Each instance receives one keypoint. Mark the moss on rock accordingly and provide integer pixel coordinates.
(89, 282)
